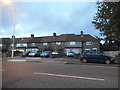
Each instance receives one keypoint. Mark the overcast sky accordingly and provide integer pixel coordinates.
(45, 18)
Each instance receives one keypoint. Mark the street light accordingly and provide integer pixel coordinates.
(11, 4)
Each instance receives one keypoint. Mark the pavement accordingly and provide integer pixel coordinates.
(64, 60)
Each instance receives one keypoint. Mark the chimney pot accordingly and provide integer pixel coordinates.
(13, 36)
(81, 34)
(32, 35)
(54, 34)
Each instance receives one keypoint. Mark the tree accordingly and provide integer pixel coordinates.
(107, 20)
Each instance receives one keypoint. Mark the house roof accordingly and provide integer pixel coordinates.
(28, 40)
(68, 37)
(5, 41)
(60, 38)
(54, 39)
(87, 37)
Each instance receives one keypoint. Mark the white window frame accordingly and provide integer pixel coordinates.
(1, 45)
(67, 50)
(58, 43)
(72, 43)
(21, 45)
(76, 51)
(89, 43)
(94, 49)
(33, 44)
(32, 49)
(87, 49)
(45, 44)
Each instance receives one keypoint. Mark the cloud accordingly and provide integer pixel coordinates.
(2, 31)
(44, 18)
(23, 15)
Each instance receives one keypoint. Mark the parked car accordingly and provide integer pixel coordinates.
(34, 53)
(15, 53)
(96, 57)
(24, 54)
(70, 54)
(54, 54)
(46, 54)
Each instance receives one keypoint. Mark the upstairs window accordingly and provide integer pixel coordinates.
(1, 45)
(33, 44)
(21, 45)
(94, 49)
(58, 43)
(89, 43)
(87, 50)
(72, 43)
(45, 44)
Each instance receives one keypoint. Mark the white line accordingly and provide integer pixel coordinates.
(17, 60)
(33, 58)
(70, 76)
(98, 66)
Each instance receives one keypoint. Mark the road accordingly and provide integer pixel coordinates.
(58, 75)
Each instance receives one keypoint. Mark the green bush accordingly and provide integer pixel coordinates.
(117, 58)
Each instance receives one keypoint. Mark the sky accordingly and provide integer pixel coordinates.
(45, 18)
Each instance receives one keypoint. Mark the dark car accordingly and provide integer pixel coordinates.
(46, 54)
(70, 54)
(34, 53)
(96, 57)
(24, 54)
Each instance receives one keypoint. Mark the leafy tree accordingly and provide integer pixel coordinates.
(107, 20)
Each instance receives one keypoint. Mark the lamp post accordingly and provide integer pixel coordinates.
(13, 37)
(14, 30)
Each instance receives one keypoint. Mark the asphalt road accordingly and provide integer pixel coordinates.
(58, 75)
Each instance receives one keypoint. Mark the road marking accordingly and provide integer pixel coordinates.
(33, 57)
(99, 66)
(17, 60)
(68, 76)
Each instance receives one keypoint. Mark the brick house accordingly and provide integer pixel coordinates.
(61, 43)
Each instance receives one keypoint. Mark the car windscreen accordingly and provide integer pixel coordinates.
(96, 53)
(88, 53)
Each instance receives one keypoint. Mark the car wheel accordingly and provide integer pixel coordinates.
(84, 60)
(107, 61)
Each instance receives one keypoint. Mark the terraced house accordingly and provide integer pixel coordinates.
(60, 43)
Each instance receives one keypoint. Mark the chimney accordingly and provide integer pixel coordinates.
(32, 35)
(54, 34)
(13, 36)
(81, 34)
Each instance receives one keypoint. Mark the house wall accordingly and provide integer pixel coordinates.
(95, 44)
(77, 44)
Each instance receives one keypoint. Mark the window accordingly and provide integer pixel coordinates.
(58, 43)
(21, 45)
(32, 49)
(11, 45)
(45, 44)
(72, 43)
(1, 45)
(89, 43)
(95, 53)
(76, 51)
(33, 44)
(67, 50)
(88, 53)
(94, 49)
(87, 50)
